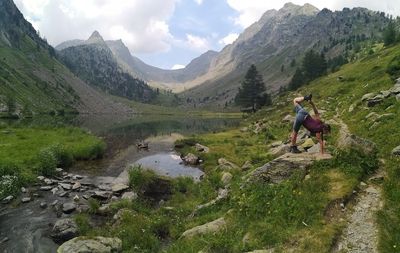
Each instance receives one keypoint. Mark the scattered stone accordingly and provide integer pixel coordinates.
(77, 177)
(26, 200)
(190, 159)
(5, 239)
(43, 205)
(55, 202)
(104, 187)
(101, 195)
(222, 194)
(367, 96)
(76, 186)
(307, 177)
(68, 207)
(65, 186)
(48, 181)
(59, 170)
(23, 190)
(211, 227)
(64, 230)
(118, 188)
(279, 150)
(114, 198)
(85, 196)
(202, 148)
(246, 166)
(363, 184)
(40, 178)
(129, 196)
(54, 190)
(63, 194)
(96, 244)
(45, 188)
(8, 199)
(396, 151)
(35, 195)
(226, 178)
(224, 164)
(263, 251)
(104, 209)
(276, 144)
(76, 198)
(386, 93)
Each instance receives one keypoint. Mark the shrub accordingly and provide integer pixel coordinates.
(140, 179)
(393, 69)
(9, 185)
(47, 162)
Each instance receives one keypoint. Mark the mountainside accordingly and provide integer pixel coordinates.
(280, 37)
(94, 63)
(33, 81)
(170, 79)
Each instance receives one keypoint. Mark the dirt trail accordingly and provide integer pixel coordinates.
(361, 232)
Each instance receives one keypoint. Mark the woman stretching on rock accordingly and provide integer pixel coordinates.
(311, 123)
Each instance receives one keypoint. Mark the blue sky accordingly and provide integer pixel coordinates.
(164, 33)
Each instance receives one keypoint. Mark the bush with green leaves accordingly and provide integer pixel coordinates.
(51, 157)
(140, 178)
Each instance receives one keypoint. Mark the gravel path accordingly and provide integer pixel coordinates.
(361, 233)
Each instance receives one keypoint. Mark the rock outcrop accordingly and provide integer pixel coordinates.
(283, 167)
(211, 227)
(64, 230)
(96, 244)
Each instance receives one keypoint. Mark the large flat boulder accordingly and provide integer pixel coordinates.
(284, 166)
(96, 244)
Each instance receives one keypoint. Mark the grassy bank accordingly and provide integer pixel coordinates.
(301, 214)
(28, 152)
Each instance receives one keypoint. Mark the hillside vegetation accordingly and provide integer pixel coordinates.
(299, 214)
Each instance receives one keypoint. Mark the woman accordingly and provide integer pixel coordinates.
(313, 124)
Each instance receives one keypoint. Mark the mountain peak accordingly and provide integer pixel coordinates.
(95, 38)
(307, 9)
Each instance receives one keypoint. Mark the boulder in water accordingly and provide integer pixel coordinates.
(64, 230)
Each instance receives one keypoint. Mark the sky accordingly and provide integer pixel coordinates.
(164, 33)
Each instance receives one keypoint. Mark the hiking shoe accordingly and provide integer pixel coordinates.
(308, 97)
(294, 150)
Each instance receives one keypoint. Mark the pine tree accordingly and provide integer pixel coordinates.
(390, 34)
(252, 92)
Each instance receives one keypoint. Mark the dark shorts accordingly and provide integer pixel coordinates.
(301, 115)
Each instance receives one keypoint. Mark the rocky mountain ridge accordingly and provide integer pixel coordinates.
(33, 81)
(93, 62)
(280, 37)
(168, 79)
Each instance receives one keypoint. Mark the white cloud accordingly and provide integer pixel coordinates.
(178, 66)
(142, 25)
(229, 39)
(251, 11)
(197, 43)
(199, 2)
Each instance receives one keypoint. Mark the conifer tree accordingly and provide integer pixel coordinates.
(252, 91)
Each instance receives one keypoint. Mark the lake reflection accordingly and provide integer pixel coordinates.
(170, 165)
